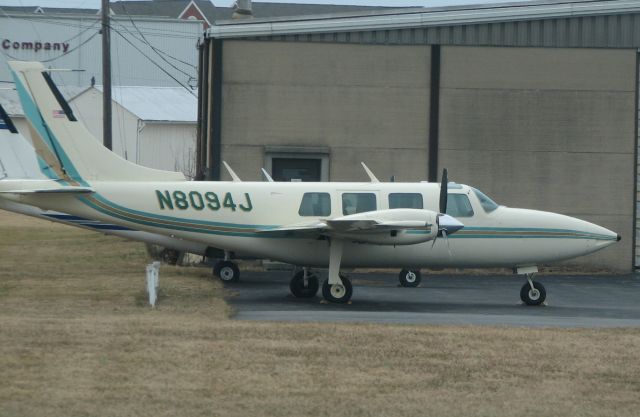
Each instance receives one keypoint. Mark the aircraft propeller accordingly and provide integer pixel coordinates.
(446, 224)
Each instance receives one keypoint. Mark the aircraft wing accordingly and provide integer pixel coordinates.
(352, 225)
(377, 227)
(298, 229)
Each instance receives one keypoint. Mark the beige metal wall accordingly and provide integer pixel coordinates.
(551, 129)
(364, 102)
(543, 128)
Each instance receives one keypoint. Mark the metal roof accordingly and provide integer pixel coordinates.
(166, 8)
(46, 10)
(173, 8)
(518, 24)
(11, 102)
(170, 104)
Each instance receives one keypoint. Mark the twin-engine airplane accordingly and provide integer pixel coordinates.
(334, 225)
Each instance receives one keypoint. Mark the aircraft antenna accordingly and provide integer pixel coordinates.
(369, 173)
(235, 177)
(266, 175)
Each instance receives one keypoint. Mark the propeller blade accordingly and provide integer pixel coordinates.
(443, 192)
(446, 239)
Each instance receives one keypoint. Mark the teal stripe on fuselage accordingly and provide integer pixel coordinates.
(181, 219)
(188, 225)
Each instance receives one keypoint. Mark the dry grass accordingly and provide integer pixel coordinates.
(76, 339)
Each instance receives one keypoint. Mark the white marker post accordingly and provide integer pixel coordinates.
(153, 281)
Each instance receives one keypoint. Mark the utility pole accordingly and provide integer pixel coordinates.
(106, 76)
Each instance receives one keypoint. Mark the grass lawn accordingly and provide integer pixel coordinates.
(78, 339)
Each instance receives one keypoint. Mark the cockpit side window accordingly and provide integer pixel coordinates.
(353, 203)
(315, 204)
(488, 205)
(405, 200)
(458, 205)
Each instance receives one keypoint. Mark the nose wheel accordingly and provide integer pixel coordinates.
(532, 292)
(409, 278)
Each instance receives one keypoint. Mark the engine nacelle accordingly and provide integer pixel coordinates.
(392, 237)
(387, 227)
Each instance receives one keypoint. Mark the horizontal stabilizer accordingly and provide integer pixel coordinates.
(66, 190)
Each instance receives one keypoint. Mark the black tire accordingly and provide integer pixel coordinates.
(533, 297)
(227, 271)
(296, 285)
(338, 293)
(410, 278)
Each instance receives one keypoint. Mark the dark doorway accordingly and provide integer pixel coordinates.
(297, 169)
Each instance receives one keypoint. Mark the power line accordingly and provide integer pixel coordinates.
(145, 41)
(167, 33)
(157, 49)
(152, 61)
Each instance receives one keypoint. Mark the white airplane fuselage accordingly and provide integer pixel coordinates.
(330, 224)
(235, 215)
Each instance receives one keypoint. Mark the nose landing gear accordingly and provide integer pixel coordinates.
(532, 292)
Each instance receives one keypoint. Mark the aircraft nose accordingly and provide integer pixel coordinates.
(448, 224)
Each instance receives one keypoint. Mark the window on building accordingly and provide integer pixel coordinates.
(405, 200)
(297, 163)
(458, 205)
(353, 203)
(315, 204)
(296, 169)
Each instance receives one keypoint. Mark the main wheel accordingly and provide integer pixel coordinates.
(297, 285)
(533, 296)
(170, 256)
(227, 271)
(409, 278)
(338, 293)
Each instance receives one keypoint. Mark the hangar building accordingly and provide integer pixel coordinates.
(534, 103)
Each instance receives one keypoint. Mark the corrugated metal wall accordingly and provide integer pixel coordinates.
(608, 31)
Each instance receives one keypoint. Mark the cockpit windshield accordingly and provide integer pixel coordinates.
(487, 204)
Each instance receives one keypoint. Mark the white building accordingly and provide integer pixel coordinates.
(152, 126)
(144, 50)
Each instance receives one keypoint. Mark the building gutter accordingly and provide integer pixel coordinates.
(486, 14)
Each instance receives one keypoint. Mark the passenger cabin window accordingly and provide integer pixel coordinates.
(458, 205)
(353, 203)
(405, 200)
(315, 204)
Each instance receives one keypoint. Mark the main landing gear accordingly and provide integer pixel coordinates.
(227, 271)
(410, 278)
(336, 289)
(532, 292)
(304, 284)
(340, 292)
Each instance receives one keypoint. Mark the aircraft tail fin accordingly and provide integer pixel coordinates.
(18, 159)
(67, 150)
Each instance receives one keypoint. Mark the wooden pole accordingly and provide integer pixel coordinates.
(106, 77)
